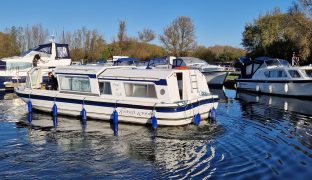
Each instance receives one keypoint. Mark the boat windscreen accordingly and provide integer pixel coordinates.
(284, 62)
(157, 61)
(62, 51)
(272, 63)
(45, 48)
(192, 60)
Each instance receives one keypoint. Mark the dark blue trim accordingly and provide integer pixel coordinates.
(112, 105)
(89, 75)
(162, 82)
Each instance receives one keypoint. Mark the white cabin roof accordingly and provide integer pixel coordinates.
(79, 69)
(136, 73)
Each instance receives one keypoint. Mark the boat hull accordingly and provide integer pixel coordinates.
(299, 88)
(97, 108)
(215, 78)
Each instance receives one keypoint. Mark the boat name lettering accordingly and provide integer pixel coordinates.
(135, 113)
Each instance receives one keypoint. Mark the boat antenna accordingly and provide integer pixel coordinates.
(52, 38)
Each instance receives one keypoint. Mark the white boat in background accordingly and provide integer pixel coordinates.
(274, 76)
(173, 96)
(15, 68)
(215, 75)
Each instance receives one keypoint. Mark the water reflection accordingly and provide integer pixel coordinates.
(289, 118)
(177, 151)
(286, 103)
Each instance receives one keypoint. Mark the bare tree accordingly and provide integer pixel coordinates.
(39, 34)
(307, 4)
(179, 37)
(122, 31)
(146, 35)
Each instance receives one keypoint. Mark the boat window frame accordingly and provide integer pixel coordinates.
(141, 84)
(270, 72)
(59, 76)
(110, 87)
(294, 70)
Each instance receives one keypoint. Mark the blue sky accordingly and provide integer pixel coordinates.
(217, 22)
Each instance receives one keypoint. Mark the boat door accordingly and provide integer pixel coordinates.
(34, 78)
(179, 76)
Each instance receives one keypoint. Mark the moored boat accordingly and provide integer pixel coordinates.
(274, 76)
(14, 69)
(215, 75)
(173, 96)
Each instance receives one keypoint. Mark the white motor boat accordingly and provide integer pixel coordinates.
(15, 68)
(274, 76)
(215, 75)
(173, 96)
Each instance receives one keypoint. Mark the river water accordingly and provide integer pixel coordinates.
(254, 137)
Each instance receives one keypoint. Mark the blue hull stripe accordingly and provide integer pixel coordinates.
(112, 105)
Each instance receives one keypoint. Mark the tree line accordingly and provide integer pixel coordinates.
(178, 39)
(281, 35)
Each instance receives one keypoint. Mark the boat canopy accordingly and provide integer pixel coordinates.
(62, 50)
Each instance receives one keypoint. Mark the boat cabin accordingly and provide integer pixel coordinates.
(269, 68)
(124, 83)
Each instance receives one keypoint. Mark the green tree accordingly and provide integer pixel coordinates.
(279, 35)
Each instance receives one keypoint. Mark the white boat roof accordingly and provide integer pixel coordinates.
(137, 73)
(115, 72)
(80, 69)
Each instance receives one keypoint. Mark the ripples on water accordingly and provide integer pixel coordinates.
(258, 137)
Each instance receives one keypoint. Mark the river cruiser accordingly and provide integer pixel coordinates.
(274, 76)
(15, 68)
(172, 96)
(215, 75)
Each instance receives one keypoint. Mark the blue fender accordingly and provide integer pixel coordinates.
(197, 119)
(154, 122)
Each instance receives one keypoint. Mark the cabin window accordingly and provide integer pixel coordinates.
(105, 88)
(276, 74)
(73, 83)
(140, 90)
(62, 52)
(17, 65)
(308, 72)
(294, 73)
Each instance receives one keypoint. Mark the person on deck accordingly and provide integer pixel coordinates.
(36, 59)
(52, 82)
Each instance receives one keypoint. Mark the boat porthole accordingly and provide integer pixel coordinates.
(162, 91)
